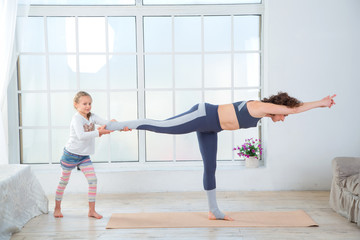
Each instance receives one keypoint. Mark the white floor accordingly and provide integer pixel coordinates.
(76, 224)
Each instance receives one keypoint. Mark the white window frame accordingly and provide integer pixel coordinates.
(140, 11)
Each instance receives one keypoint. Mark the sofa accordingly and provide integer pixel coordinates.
(345, 188)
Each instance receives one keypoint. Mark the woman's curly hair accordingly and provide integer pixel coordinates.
(282, 98)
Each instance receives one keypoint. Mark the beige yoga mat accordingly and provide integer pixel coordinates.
(296, 218)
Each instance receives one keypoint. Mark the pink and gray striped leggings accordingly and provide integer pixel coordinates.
(68, 162)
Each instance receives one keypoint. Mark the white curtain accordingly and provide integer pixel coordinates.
(8, 17)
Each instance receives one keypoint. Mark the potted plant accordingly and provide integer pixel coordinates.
(251, 150)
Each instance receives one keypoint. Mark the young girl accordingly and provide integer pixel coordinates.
(78, 148)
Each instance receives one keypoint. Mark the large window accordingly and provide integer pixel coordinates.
(140, 64)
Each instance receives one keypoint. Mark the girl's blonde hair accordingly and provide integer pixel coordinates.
(78, 96)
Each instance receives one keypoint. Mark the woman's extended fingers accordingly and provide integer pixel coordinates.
(329, 101)
(332, 102)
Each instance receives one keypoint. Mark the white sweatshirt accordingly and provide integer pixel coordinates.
(83, 134)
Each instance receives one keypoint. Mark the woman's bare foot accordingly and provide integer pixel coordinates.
(57, 213)
(94, 215)
(212, 217)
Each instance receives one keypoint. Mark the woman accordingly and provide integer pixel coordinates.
(207, 120)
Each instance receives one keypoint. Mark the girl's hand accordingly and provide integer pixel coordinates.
(328, 101)
(121, 130)
(103, 131)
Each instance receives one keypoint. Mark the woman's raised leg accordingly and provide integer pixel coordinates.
(187, 122)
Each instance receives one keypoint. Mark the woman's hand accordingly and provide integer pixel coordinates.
(103, 131)
(328, 101)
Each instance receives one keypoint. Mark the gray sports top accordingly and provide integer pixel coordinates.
(244, 118)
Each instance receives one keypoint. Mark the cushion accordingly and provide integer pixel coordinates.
(352, 184)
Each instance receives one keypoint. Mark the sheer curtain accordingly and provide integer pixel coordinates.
(10, 11)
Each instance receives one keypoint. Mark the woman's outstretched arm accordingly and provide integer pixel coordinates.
(325, 102)
(262, 109)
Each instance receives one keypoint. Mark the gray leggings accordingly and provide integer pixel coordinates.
(202, 118)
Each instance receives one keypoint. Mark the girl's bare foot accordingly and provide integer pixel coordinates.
(212, 217)
(57, 213)
(94, 215)
(92, 212)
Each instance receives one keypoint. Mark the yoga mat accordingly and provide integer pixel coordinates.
(296, 218)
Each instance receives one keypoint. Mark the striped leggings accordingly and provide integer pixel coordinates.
(68, 162)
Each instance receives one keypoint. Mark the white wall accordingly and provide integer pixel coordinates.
(313, 50)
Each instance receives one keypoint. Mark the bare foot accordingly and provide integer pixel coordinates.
(212, 217)
(95, 215)
(57, 213)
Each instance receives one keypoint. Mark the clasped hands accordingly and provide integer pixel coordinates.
(328, 101)
(103, 131)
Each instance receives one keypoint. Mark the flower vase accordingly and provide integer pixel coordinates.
(251, 162)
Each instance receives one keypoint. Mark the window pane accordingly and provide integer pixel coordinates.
(82, 2)
(188, 71)
(123, 106)
(158, 71)
(155, 100)
(92, 71)
(62, 109)
(217, 33)
(62, 71)
(34, 110)
(225, 148)
(59, 139)
(247, 70)
(122, 70)
(99, 104)
(124, 145)
(187, 31)
(184, 100)
(32, 38)
(102, 149)
(218, 97)
(245, 95)
(217, 70)
(181, 2)
(35, 146)
(92, 34)
(159, 147)
(246, 33)
(123, 32)
(187, 145)
(32, 73)
(61, 34)
(157, 34)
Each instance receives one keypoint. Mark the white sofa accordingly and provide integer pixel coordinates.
(345, 188)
